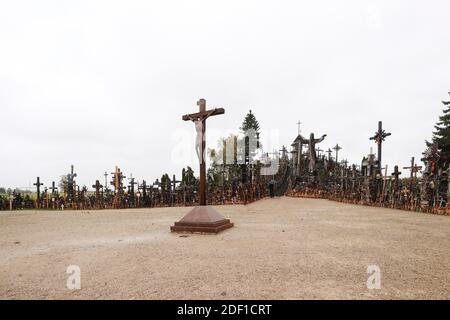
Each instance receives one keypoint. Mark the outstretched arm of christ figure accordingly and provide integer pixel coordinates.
(321, 139)
(192, 118)
(210, 113)
(202, 118)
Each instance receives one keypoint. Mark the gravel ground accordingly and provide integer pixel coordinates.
(285, 248)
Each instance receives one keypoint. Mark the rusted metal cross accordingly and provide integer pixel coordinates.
(199, 119)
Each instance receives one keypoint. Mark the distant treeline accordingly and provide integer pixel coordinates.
(10, 191)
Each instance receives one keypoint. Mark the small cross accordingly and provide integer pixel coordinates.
(396, 173)
(318, 152)
(298, 124)
(53, 188)
(106, 180)
(97, 186)
(337, 148)
(329, 151)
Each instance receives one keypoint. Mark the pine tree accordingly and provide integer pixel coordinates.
(250, 128)
(441, 137)
(188, 177)
(165, 182)
(250, 122)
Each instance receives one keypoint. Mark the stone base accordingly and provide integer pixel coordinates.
(202, 219)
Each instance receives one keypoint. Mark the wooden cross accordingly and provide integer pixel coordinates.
(132, 183)
(318, 152)
(298, 124)
(199, 119)
(414, 168)
(173, 189)
(283, 152)
(38, 185)
(396, 174)
(379, 137)
(106, 181)
(337, 148)
(53, 188)
(117, 182)
(174, 183)
(384, 184)
(144, 188)
(97, 187)
(329, 154)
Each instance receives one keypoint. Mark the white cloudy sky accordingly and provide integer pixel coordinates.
(100, 83)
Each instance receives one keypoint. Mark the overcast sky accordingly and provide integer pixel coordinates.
(104, 83)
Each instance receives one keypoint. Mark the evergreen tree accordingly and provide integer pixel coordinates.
(250, 128)
(188, 177)
(165, 182)
(250, 122)
(441, 137)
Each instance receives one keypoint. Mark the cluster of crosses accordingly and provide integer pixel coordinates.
(321, 176)
(306, 171)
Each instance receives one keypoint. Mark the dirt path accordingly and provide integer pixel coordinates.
(285, 248)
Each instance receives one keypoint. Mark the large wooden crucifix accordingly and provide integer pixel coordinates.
(199, 120)
(203, 218)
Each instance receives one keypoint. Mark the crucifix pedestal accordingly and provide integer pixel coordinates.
(202, 219)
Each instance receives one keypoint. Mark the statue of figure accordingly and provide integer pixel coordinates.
(198, 122)
(199, 139)
(311, 142)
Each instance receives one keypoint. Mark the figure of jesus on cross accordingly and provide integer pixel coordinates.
(202, 219)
